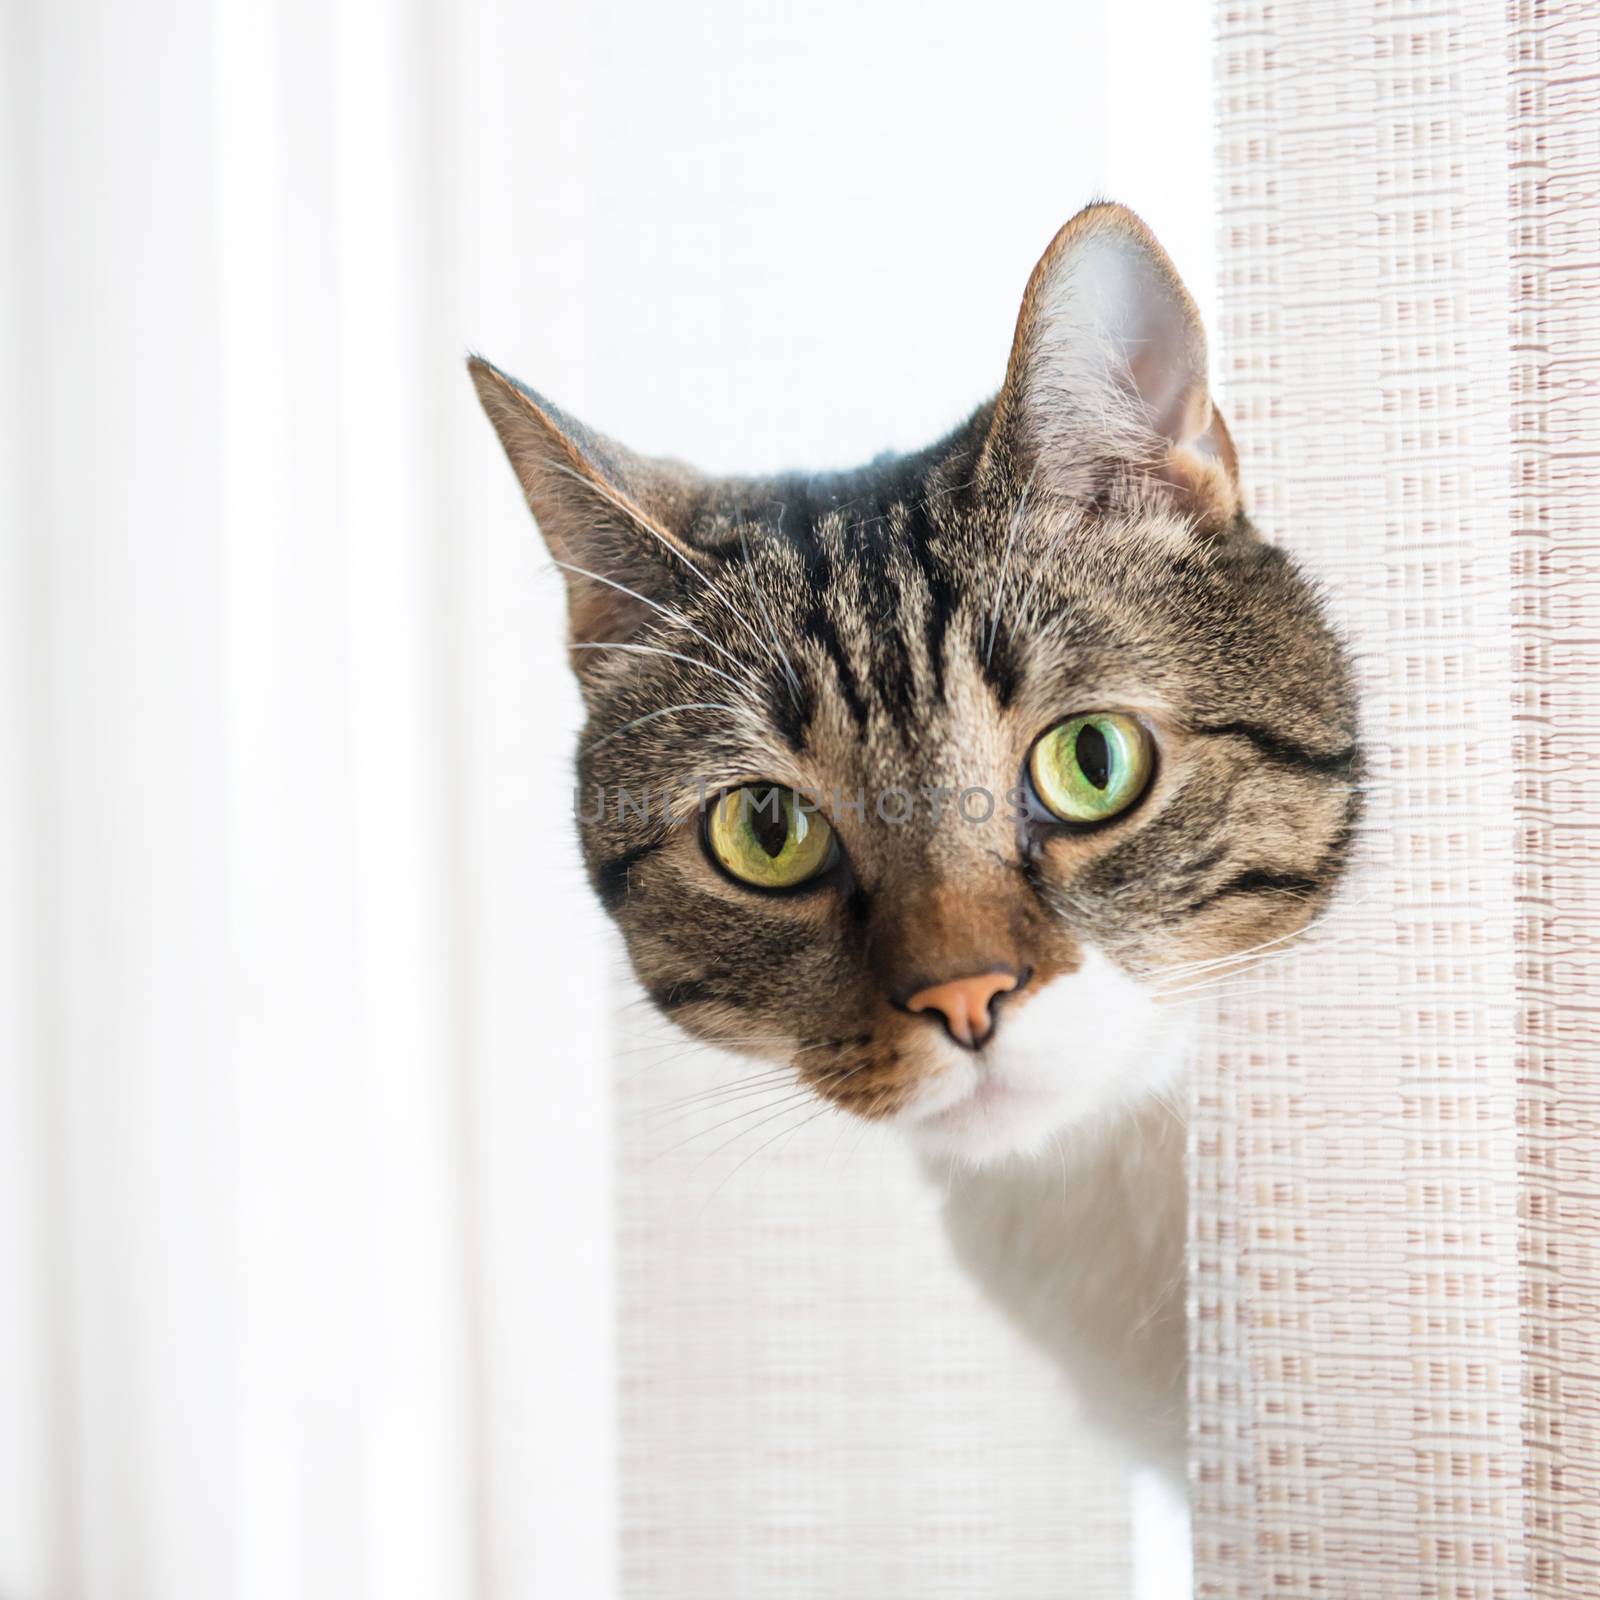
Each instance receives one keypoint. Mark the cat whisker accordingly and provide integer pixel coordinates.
(1183, 969)
(736, 1086)
(745, 1055)
(626, 1080)
(1168, 1101)
(666, 1056)
(782, 1133)
(690, 1042)
(1255, 960)
(634, 516)
(725, 603)
(670, 612)
(669, 1030)
(834, 1076)
(645, 526)
(1219, 982)
(1205, 983)
(666, 711)
(656, 650)
(678, 1110)
(788, 1104)
(1214, 983)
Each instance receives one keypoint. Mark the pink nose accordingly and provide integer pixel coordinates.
(964, 1004)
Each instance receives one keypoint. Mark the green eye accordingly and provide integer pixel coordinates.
(1091, 767)
(766, 836)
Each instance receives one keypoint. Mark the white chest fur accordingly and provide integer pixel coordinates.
(1082, 1246)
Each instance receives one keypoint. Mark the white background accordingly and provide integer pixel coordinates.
(305, 1019)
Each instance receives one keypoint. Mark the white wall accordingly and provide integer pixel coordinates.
(305, 1204)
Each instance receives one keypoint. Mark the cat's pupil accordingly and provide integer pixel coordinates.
(769, 820)
(1094, 755)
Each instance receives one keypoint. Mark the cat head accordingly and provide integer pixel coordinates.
(937, 779)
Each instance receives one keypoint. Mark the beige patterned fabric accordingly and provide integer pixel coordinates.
(814, 1400)
(1395, 1292)
(1555, 578)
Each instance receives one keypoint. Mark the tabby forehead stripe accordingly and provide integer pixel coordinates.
(791, 713)
(1258, 880)
(819, 628)
(1315, 880)
(941, 606)
(902, 669)
(895, 668)
(1275, 747)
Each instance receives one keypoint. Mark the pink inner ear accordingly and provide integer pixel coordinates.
(1142, 312)
(1110, 322)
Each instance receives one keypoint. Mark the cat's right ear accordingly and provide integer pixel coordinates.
(1108, 372)
(612, 519)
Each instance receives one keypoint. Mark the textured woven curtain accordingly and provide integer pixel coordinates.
(814, 1400)
(1395, 1293)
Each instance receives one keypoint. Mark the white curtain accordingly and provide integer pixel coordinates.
(1395, 1270)
(297, 1300)
(312, 1265)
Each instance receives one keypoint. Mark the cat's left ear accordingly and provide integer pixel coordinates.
(1108, 368)
(614, 521)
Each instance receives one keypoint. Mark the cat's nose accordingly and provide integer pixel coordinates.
(965, 1003)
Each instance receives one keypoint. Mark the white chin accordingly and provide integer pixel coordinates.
(1091, 1044)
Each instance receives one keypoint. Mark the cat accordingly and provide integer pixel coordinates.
(947, 776)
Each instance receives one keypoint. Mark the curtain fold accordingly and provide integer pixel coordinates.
(1394, 1146)
(1554, 182)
